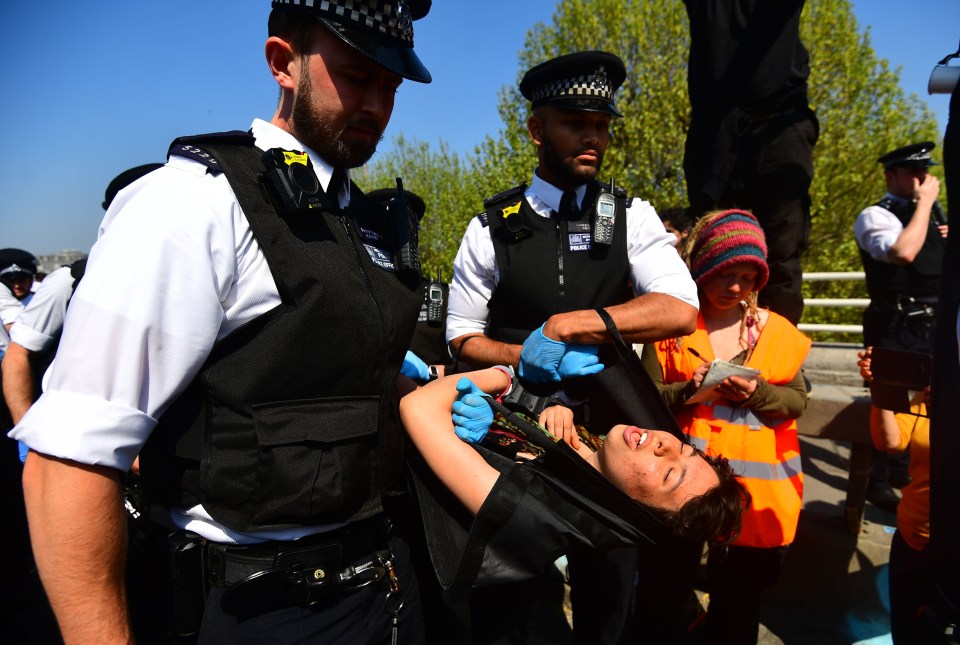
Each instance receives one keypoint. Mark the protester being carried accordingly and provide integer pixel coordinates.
(749, 420)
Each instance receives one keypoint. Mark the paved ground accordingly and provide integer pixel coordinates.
(834, 585)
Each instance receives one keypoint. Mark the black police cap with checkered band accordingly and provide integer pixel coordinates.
(916, 155)
(379, 29)
(580, 81)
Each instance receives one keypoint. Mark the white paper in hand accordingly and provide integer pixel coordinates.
(719, 370)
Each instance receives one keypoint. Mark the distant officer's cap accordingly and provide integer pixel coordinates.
(580, 81)
(414, 201)
(916, 155)
(14, 261)
(124, 179)
(379, 29)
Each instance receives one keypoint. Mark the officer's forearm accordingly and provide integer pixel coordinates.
(79, 535)
(18, 390)
(913, 236)
(646, 318)
(479, 351)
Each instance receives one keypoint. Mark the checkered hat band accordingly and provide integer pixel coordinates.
(578, 86)
(374, 15)
(15, 268)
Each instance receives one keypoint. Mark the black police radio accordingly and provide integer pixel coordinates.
(291, 182)
(435, 301)
(605, 214)
(406, 227)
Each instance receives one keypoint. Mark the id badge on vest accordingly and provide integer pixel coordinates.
(376, 248)
(579, 237)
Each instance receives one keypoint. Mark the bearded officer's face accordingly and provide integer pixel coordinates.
(343, 102)
(570, 144)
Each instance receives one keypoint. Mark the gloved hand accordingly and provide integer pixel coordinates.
(580, 360)
(540, 358)
(414, 367)
(472, 415)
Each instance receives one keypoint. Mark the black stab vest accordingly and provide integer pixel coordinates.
(921, 278)
(293, 420)
(543, 273)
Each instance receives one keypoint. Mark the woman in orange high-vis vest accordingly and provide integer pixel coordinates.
(750, 421)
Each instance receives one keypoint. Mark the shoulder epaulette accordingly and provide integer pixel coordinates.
(490, 202)
(484, 220)
(887, 202)
(192, 147)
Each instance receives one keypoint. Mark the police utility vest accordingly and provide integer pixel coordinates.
(919, 279)
(293, 421)
(550, 265)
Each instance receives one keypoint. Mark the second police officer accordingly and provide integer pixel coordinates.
(533, 267)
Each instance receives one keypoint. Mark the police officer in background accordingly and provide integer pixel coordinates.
(240, 325)
(902, 240)
(529, 273)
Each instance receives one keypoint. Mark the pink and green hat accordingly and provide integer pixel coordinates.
(729, 238)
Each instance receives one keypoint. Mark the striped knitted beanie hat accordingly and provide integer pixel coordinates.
(725, 239)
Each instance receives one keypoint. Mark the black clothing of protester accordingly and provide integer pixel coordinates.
(751, 137)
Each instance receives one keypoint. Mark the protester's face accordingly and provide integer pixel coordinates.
(571, 144)
(343, 102)
(900, 180)
(654, 467)
(19, 284)
(728, 288)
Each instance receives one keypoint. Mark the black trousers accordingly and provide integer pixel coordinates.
(736, 584)
(912, 586)
(634, 595)
(772, 169)
(357, 618)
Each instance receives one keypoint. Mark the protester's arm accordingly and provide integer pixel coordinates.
(914, 234)
(79, 536)
(18, 381)
(426, 414)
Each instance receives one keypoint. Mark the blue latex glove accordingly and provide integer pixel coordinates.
(540, 358)
(414, 367)
(580, 360)
(472, 415)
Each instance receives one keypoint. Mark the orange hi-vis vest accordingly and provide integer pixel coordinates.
(765, 453)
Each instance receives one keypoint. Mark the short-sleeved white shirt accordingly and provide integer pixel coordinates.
(655, 265)
(877, 229)
(39, 325)
(174, 269)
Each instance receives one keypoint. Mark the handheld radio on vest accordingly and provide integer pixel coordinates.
(604, 217)
(406, 232)
(435, 301)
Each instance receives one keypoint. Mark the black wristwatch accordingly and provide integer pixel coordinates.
(432, 371)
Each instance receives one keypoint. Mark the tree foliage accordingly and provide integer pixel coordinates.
(861, 107)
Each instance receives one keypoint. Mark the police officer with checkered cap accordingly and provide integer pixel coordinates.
(534, 267)
(265, 315)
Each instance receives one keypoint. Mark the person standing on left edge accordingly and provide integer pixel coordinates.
(240, 326)
(529, 274)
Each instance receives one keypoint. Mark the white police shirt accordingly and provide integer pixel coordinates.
(655, 265)
(174, 269)
(877, 229)
(41, 321)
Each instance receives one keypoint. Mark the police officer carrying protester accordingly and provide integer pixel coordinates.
(535, 264)
(237, 329)
(902, 240)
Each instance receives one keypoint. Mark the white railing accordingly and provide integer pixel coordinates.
(858, 303)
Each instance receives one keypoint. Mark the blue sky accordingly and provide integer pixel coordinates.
(95, 87)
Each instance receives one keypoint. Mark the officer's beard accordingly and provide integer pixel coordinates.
(315, 130)
(569, 173)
